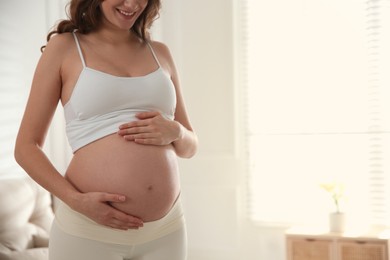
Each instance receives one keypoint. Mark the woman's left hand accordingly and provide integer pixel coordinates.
(151, 129)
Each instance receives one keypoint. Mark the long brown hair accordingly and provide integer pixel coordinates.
(85, 16)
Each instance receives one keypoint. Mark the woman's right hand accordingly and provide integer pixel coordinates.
(96, 206)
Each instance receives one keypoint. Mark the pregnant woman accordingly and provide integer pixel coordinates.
(126, 123)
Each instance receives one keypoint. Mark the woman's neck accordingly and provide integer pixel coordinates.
(115, 37)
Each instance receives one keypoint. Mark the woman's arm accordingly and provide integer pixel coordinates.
(44, 96)
(43, 99)
(187, 142)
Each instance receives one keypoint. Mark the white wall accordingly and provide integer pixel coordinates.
(200, 35)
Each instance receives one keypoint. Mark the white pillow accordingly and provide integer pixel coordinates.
(18, 239)
(41, 238)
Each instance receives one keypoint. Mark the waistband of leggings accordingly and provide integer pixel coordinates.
(74, 223)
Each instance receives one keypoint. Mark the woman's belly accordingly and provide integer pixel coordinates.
(147, 175)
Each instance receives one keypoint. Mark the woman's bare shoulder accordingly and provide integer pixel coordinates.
(164, 55)
(161, 49)
(60, 44)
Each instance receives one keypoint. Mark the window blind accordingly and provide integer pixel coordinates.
(317, 102)
(19, 53)
(12, 91)
(378, 37)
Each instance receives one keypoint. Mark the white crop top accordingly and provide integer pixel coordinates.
(101, 102)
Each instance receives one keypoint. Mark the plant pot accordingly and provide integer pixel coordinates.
(337, 222)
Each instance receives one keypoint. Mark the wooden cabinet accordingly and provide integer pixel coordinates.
(310, 248)
(362, 250)
(305, 244)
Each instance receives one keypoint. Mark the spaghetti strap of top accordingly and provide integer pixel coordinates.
(82, 57)
(154, 54)
(79, 49)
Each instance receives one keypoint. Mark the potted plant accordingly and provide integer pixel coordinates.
(337, 217)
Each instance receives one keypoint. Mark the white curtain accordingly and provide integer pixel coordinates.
(317, 102)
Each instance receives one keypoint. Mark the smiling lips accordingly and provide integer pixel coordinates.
(127, 14)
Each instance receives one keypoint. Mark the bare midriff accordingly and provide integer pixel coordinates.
(146, 174)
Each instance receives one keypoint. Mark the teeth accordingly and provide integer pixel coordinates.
(126, 13)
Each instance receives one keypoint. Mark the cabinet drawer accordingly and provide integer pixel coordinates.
(362, 250)
(310, 249)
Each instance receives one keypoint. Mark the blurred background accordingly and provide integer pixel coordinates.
(285, 95)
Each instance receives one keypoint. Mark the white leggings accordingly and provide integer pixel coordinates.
(74, 236)
(63, 246)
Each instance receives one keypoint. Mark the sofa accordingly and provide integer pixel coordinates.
(25, 219)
